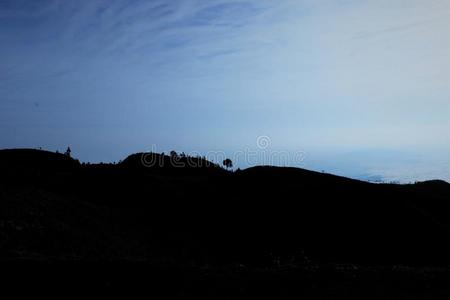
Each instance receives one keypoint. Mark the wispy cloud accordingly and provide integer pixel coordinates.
(153, 31)
(388, 30)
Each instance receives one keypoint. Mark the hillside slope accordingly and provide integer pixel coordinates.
(52, 207)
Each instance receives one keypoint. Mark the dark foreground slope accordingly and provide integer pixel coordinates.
(194, 218)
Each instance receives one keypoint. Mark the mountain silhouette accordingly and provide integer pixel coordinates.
(54, 208)
(204, 213)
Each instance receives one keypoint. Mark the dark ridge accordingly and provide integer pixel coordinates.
(171, 164)
(261, 216)
(291, 173)
(38, 160)
(434, 183)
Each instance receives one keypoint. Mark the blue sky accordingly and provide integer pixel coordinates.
(362, 87)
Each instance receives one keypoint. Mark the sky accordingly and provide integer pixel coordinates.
(358, 87)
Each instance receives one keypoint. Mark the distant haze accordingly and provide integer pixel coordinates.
(361, 87)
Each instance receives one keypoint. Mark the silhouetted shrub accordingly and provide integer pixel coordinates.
(228, 163)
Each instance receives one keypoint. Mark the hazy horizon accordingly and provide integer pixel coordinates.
(360, 87)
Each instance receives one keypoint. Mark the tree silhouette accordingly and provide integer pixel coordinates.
(68, 152)
(228, 163)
